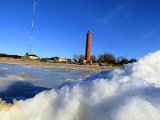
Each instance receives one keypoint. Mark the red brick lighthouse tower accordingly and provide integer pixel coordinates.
(88, 47)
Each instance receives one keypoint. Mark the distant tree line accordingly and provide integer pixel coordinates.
(11, 56)
(51, 59)
(106, 58)
(102, 59)
(56, 59)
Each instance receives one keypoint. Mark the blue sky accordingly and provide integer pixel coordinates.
(122, 27)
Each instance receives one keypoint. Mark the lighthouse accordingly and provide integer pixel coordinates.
(88, 47)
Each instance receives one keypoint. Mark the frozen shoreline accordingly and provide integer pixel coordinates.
(67, 66)
(130, 93)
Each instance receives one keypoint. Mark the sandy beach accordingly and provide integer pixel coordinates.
(39, 64)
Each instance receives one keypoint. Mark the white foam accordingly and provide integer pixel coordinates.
(131, 93)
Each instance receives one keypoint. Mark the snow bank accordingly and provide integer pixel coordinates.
(130, 93)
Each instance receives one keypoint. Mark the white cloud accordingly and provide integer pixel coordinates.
(112, 14)
(147, 35)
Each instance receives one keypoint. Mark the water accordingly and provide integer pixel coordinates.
(130, 93)
(25, 82)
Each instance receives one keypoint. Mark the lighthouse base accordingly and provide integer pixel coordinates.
(87, 62)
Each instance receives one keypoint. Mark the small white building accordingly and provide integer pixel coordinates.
(33, 57)
(62, 60)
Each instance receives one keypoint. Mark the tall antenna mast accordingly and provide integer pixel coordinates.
(33, 25)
